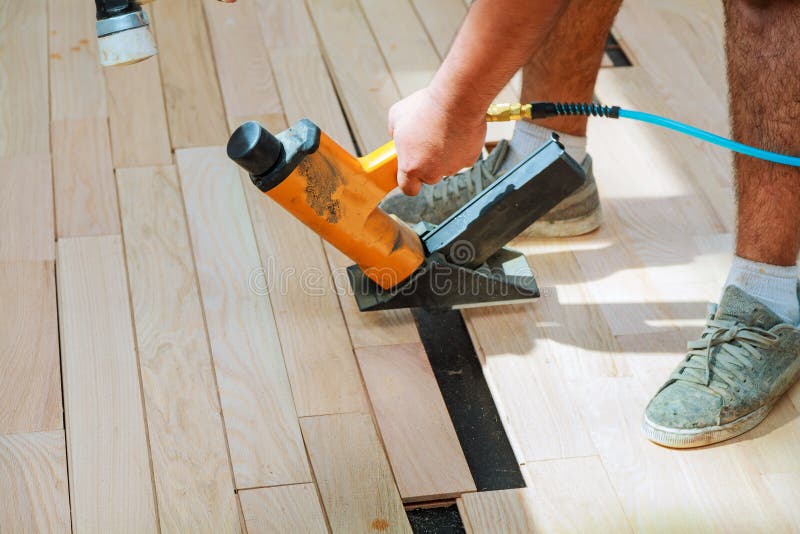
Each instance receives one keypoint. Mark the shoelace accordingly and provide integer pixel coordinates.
(471, 181)
(730, 364)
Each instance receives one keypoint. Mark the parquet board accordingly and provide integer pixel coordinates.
(30, 375)
(263, 433)
(193, 479)
(24, 96)
(354, 478)
(136, 115)
(26, 194)
(83, 178)
(33, 483)
(111, 486)
(248, 87)
(294, 508)
(421, 443)
(191, 91)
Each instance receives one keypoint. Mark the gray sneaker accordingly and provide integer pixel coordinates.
(575, 215)
(731, 378)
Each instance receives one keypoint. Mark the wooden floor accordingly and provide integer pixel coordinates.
(175, 355)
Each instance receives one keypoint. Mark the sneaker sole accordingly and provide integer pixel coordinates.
(678, 438)
(567, 227)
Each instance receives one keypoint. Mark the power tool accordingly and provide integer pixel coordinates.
(461, 262)
(123, 32)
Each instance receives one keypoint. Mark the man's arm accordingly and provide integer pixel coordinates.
(441, 129)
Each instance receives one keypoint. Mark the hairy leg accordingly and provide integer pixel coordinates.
(763, 47)
(565, 68)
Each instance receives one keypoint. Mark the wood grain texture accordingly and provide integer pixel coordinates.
(83, 179)
(30, 375)
(191, 90)
(193, 479)
(357, 67)
(263, 433)
(27, 225)
(24, 96)
(33, 482)
(441, 19)
(136, 115)
(106, 441)
(294, 508)
(286, 24)
(77, 85)
(248, 87)
(513, 511)
(421, 443)
(353, 475)
(408, 51)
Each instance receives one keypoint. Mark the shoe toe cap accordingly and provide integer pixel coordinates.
(679, 406)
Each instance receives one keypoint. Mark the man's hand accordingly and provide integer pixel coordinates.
(434, 137)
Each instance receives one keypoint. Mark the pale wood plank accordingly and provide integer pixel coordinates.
(33, 482)
(194, 483)
(111, 487)
(191, 90)
(307, 91)
(357, 67)
(77, 87)
(322, 367)
(83, 178)
(24, 96)
(30, 377)
(423, 449)
(248, 88)
(27, 221)
(263, 433)
(286, 24)
(353, 475)
(137, 118)
(294, 508)
(513, 511)
(441, 19)
(406, 47)
(578, 491)
(785, 488)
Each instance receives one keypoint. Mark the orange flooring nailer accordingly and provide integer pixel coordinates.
(461, 262)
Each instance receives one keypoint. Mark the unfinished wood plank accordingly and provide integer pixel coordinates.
(191, 91)
(248, 87)
(785, 488)
(285, 24)
(111, 487)
(193, 479)
(423, 449)
(27, 225)
(77, 86)
(406, 47)
(263, 433)
(30, 377)
(504, 511)
(322, 367)
(136, 115)
(363, 82)
(353, 475)
(24, 96)
(307, 91)
(442, 19)
(294, 508)
(83, 179)
(33, 482)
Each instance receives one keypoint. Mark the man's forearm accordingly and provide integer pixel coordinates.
(497, 38)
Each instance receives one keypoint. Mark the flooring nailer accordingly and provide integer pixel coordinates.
(461, 262)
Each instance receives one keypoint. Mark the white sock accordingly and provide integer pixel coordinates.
(774, 285)
(528, 137)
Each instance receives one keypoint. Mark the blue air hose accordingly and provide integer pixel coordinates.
(540, 110)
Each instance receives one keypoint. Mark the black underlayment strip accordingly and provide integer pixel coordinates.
(445, 520)
(616, 53)
(469, 401)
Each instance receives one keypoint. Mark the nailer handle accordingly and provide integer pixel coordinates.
(381, 166)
